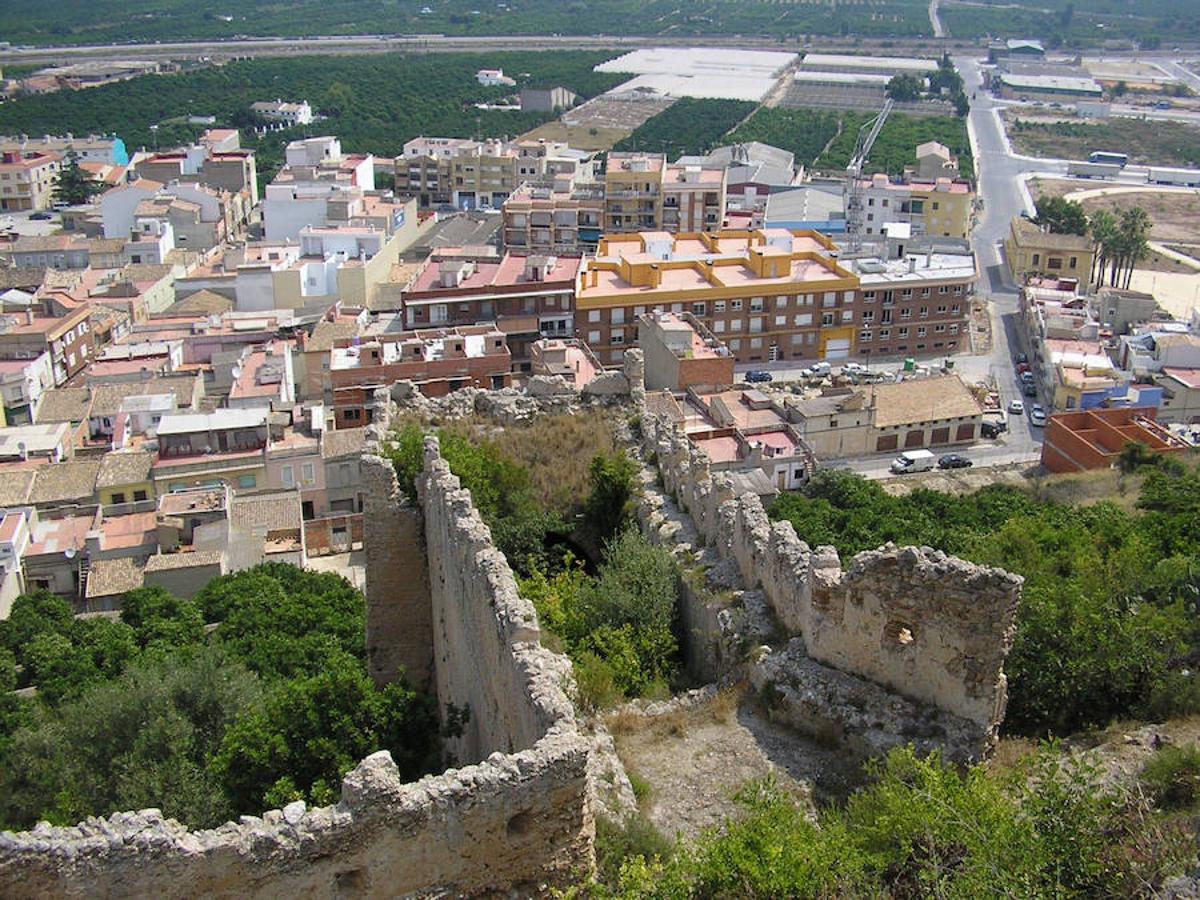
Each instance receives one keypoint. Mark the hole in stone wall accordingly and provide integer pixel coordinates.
(520, 823)
(897, 634)
(351, 883)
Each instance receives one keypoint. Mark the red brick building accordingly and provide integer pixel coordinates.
(1094, 438)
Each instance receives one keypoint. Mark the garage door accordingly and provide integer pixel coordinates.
(940, 436)
(915, 438)
(837, 348)
(887, 442)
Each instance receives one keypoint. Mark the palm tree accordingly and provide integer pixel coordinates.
(1134, 231)
(1102, 227)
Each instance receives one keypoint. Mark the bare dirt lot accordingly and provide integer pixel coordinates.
(1175, 214)
(1151, 143)
(695, 761)
(602, 121)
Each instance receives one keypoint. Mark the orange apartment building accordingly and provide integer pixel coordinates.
(1094, 438)
(769, 294)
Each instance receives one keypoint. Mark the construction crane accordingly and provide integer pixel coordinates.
(853, 191)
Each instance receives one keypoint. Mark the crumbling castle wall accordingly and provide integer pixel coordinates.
(928, 627)
(519, 821)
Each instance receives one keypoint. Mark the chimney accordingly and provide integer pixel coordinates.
(29, 316)
(912, 264)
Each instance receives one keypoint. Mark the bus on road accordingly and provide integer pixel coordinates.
(1105, 156)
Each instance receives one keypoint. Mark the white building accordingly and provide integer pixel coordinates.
(491, 77)
(316, 173)
(289, 114)
(22, 384)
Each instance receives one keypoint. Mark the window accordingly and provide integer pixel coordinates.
(637, 310)
(718, 306)
(923, 312)
(925, 292)
(756, 304)
(906, 294)
(352, 413)
(797, 339)
(618, 338)
(139, 496)
(902, 333)
(735, 344)
(1073, 262)
(594, 315)
(921, 331)
(735, 305)
(781, 321)
(935, 206)
(781, 302)
(1037, 258)
(307, 473)
(954, 329)
(943, 289)
(830, 299)
(719, 326)
(736, 324)
(697, 309)
(617, 317)
(755, 343)
(954, 309)
(803, 319)
(939, 329)
(868, 296)
(906, 313)
(869, 315)
(1054, 262)
(847, 315)
(247, 481)
(958, 290)
(826, 319)
(864, 337)
(756, 323)
(287, 477)
(118, 497)
(593, 337)
(942, 310)
(885, 203)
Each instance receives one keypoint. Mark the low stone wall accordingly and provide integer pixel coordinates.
(931, 628)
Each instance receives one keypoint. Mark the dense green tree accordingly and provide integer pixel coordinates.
(143, 739)
(33, 614)
(905, 88)
(73, 185)
(159, 618)
(1062, 216)
(311, 731)
(609, 506)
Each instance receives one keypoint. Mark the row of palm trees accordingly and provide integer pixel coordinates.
(1120, 244)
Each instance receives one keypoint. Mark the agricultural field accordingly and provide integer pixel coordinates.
(1064, 23)
(602, 121)
(1147, 142)
(374, 104)
(688, 127)
(897, 142)
(805, 132)
(98, 21)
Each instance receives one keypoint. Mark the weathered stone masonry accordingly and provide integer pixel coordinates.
(517, 821)
(922, 625)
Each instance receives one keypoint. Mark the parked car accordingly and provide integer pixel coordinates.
(1022, 359)
(1022, 367)
(992, 429)
(1016, 407)
(756, 375)
(41, 217)
(1027, 378)
(1029, 390)
(954, 461)
(853, 368)
(1037, 415)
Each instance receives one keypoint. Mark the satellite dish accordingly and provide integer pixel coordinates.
(70, 552)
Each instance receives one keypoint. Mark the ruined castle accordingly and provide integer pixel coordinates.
(899, 646)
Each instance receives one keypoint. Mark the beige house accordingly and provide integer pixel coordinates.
(1032, 251)
(884, 418)
(27, 182)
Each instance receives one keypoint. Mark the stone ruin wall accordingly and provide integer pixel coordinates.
(519, 820)
(926, 626)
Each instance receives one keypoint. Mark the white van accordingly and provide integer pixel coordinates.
(913, 461)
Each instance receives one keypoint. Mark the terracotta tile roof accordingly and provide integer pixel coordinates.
(15, 485)
(64, 405)
(109, 577)
(124, 467)
(326, 333)
(343, 442)
(274, 512)
(166, 561)
(60, 482)
(923, 400)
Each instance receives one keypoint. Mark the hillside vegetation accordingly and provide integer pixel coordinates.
(94, 21)
(373, 103)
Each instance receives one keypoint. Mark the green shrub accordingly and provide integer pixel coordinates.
(617, 842)
(1172, 777)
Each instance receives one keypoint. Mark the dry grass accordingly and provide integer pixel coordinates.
(1088, 488)
(582, 137)
(557, 451)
